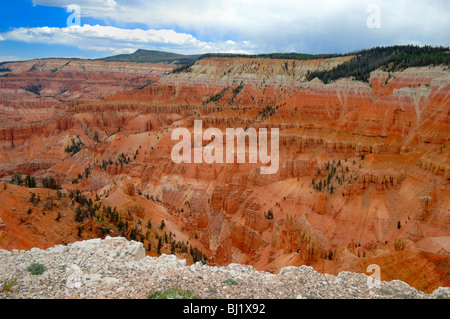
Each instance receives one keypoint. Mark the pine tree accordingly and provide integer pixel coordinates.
(160, 244)
(30, 182)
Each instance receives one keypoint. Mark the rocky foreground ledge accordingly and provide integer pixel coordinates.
(118, 268)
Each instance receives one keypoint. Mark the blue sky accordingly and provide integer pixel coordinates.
(39, 28)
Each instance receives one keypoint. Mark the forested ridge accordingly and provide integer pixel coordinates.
(392, 58)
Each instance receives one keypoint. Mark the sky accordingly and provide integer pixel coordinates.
(98, 28)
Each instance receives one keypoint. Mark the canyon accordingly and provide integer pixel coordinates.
(363, 174)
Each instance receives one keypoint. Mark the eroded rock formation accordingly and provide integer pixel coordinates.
(363, 175)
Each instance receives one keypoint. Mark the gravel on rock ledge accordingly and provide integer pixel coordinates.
(116, 268)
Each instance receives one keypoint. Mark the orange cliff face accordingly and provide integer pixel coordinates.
(363, 176)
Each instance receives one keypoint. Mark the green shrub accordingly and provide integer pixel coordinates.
(385, 291)
(230, 282)
(36, 269)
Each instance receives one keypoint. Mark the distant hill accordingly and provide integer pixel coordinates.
(153, 56)
(389, 58)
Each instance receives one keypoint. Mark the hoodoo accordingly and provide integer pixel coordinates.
(214, 151)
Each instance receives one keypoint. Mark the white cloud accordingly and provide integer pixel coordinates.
(113, 50)
(282, 25)
(116, 40)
